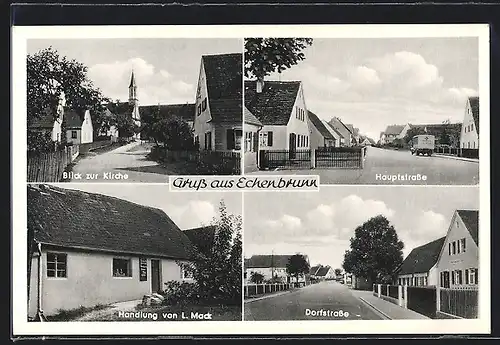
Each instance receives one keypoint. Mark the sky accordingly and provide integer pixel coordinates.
(320, 224)
(372, 83)
(166, 70)
(188, 210)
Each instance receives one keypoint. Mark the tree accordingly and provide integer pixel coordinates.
(412, 132)
(264, 56)
(217, 272)
(444, 136)
(297, 265)
(338, 271)
(174, 133)
(50, 74)
(375, 250)
(256, 278)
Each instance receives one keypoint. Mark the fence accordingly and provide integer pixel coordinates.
(450, 151)
(461, 303)
(252, 290)
(340, 157)
(323, 157)
(422, 300)
(470, 153)
(49, 166)
(84, 148)
(209, 162)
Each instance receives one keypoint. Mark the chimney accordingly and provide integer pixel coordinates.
(260, 85)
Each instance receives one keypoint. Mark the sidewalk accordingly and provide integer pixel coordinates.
(440, 155)
(390, 310)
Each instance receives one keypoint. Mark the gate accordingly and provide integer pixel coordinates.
(339, 157)
(272, 159)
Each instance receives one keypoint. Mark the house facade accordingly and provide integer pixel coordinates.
(341, 128)
(419, 268)
(403, 132)
(325, 273)
(281, 108)
(88, 249)
(218, 117)
(252, 128)
(457, 265)
(50, 122)
(393, 132)
(270, 266)
(79, 129)
(321, 134)
(469, 137)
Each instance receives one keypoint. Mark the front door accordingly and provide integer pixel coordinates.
(155, 276)
(292, 145)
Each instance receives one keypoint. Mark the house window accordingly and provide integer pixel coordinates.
(57, 265)
(453, 276)
(449, 248)
(197, 141)
(199, 110)
(122, 267)
(74, 135)
(462, 241)
(238, 133)
(458, 278)
(208, 141)
(186, 272)
(263, 138)
(269, 138)
(204, 104)
(248, 141)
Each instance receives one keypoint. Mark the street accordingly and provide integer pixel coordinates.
(129, 160)
(333, 298)
(382, 164)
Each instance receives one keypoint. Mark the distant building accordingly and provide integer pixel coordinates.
(469, 138)
(269, 266)
(321, 135)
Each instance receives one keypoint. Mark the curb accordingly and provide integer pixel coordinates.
(375, 308)
(457, 158)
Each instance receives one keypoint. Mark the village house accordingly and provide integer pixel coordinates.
(218, 110)
(322, 135)
(88, 249)
(419, 268)
(325, 273)
(184, 112)
(252, 145)
(50, 122)
(79, 128)
(270, 266)
(281, 108)
(457, 264)
(469, 137)
(365, 141)
(341, 128)
(393, 132)
(313, 270)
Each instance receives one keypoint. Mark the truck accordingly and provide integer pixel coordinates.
(423, 144)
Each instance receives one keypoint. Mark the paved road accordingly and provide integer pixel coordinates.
(129, 159)
(383, 163)
(329, 296)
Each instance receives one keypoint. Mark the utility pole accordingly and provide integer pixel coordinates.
(272, 264)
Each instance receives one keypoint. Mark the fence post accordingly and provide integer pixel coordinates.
(387, 290)
(362, 158)
(438, 299)
(405, 301)
(313, 158)
(246, 290)
(379, 289)
(400, 295)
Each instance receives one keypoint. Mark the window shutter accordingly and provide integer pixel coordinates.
(269, 138)
(466, 276)
(230, 139)
(476, 277)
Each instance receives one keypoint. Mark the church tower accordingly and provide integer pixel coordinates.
(132, 90)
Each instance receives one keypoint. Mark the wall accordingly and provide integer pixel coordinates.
(298, 126)
(90, 281)
(220, 136)
(250, 156)
(471, 136)
(404, 131)
(316, 138)
(342, 130)
(87, 133)
(70, 139)
(464, 260)
(280, 138)
(201, 122)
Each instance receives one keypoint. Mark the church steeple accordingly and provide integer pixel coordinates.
(132, 89)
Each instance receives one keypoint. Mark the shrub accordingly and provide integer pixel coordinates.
(176, 293)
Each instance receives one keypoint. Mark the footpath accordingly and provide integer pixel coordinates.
(440, 155)
(389, 310)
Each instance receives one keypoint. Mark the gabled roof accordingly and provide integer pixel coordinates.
(320, 126)
(337, 120)
(394, 129)
(423, 258)
(474, 106)
(202, 237)
(88, 221)
(323, 271)
(313, 270)
(471, 221)
(224, 83)
(332, 129)
(250, 118)
(274, 105)
(120, 107)
(185, 111)
(350, 127)
(268, 261)
(46, 120)
(74, 119)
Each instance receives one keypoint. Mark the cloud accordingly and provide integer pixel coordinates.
(165, 74)
(194, 214)
(363, 77)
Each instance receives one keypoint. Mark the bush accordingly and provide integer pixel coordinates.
(177, 293)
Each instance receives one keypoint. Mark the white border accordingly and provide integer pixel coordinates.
(18, 135)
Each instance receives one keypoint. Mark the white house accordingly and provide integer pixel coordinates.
(392, 132)
(281, 108)
(419, 268)
(337, 124)
(458, 260)
(218, 118)
(270, 266)
(50, 122)
(252, 129)
(325, 273)
(405, 130)
(469, 137)
(88, 249)
(79, 129)
(322, 135)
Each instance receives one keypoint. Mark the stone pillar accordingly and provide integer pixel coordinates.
(379, 290)
(405, 301)
(313, 158)
(438, 298)
(400, 295)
